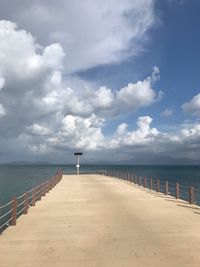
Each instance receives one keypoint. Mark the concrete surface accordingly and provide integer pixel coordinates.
(93, 221)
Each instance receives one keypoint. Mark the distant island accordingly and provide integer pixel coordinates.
(26, 163)
(149, 159)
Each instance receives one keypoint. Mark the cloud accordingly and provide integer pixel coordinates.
(91, 32)
(103, 101)
(103, 98)
(25, 59)
(167, 112)
(40, 101)
(79, 132)
(2, 111)
(86, 133)
(2, 83)
(53, 117)
(37, 129)
(32, 76)
(25, 70)
(39, 149)
(141, 136)
(191, 131)
(139, 94)
(193, 106)
(46, 111)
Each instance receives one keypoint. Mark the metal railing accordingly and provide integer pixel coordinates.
(9, 212)
(176, 190)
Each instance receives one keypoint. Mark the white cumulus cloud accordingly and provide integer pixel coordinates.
(37, 129)
(2, 83)
(92, 32)
(139, 94)
(144, 134)
(193, 106)
(54, 115)
(167, 112)
(21, 57)
(81, 132)
(2, 111)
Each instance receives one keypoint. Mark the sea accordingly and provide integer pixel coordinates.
(17, 179)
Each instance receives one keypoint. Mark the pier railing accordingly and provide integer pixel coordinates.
(176, 190)
(10, 211)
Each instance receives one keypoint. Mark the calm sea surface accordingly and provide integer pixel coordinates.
(14, 180)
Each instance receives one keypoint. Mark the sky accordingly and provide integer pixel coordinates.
(115, 79)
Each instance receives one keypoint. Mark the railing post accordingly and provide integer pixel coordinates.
(25, 203)
(145, 182)
(53, 182)
(151, 184)
(14, 212)
(44, 189)
(191, 195)
(158, 185)
(166, 188)
(40, 192)
(50, 184)
(33, 197)
(47, 187)
(177, 191)
(135, 179)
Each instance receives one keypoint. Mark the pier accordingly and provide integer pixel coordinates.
(93, 220)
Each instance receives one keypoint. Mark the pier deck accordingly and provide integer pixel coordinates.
(93, 221)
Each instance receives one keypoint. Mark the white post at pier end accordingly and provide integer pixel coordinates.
(78, 154)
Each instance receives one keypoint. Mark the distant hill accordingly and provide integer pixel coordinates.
(139, 159)
(159, 160)
(25, 163)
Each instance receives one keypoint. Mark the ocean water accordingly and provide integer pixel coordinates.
(16, 179)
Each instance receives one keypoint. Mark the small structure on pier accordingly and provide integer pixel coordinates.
(78, 154)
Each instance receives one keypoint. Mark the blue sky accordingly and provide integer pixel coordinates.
(119, 82)
(173, 45)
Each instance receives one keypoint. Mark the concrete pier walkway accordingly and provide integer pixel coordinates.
(93, 221)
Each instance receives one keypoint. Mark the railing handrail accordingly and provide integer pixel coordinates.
(26, 200)
(159, 185)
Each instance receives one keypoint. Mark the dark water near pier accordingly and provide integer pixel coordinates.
(14, 180)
